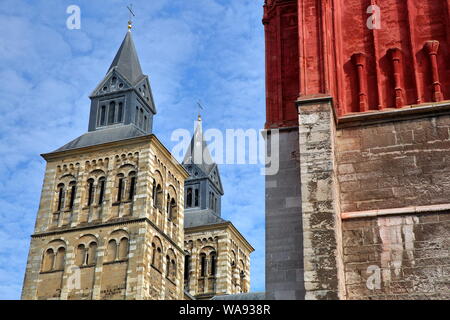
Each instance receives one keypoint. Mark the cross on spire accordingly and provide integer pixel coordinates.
(130, 20)
(200, 107)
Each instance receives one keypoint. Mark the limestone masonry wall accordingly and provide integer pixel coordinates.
(394, 164)
(375, 206)
(103, 229)
(398, 257)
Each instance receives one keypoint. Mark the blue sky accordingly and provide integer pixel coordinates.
(208, 50)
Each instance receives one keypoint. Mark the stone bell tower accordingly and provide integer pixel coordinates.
(217, 258)
(111, 215)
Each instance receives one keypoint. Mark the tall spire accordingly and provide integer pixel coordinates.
(203, 189)
(198, 152)
(124, 96)
(126, 61)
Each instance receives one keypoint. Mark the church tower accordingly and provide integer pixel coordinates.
(217, 255)
(111, 216)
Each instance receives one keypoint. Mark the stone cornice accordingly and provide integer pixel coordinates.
(390, 115)
(125, 142)
(396, 211)
(218, 226)
(98, 147)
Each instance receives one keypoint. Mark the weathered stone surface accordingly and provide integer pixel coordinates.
(324, 275)
(395, 164)
(231, 253)
(404, 257)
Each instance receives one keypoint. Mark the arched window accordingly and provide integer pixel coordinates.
(159, 197)
(167, 266)
(189, 198)
(90, 195)
(145, 123)
(102, 115)
(102, 185)
(120, 188)
(187, 266)
(123, 249)
(111, 112)
(111, 251)
(168, 206)
(92, 253)
(132, 177)
(60, 259)
(157, 259)
(172, 210)
(73, 189)
(153, 254)
(80, 258)
(61, 195)
(242, 284)
(48, 261)
(154, 192)
(120, 112)
(213, 263)
(202, 265)
(173, 270)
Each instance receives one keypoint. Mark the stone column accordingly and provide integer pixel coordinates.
(322, 243)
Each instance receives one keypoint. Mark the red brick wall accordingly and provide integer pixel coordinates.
(397, 257)
(394, 164)
(282, 73)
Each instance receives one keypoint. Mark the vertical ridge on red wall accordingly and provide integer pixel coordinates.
(330, 32)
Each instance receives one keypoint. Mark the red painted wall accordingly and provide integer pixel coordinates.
(331, 51)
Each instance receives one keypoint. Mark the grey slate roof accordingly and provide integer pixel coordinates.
(242, 296)
(109, 134)
(126, 61)
(201, 218)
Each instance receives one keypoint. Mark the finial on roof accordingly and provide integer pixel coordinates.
(200, 107)
(130, 21)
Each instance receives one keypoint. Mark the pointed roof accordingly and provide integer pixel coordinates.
(198, 152)
(126, 61)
